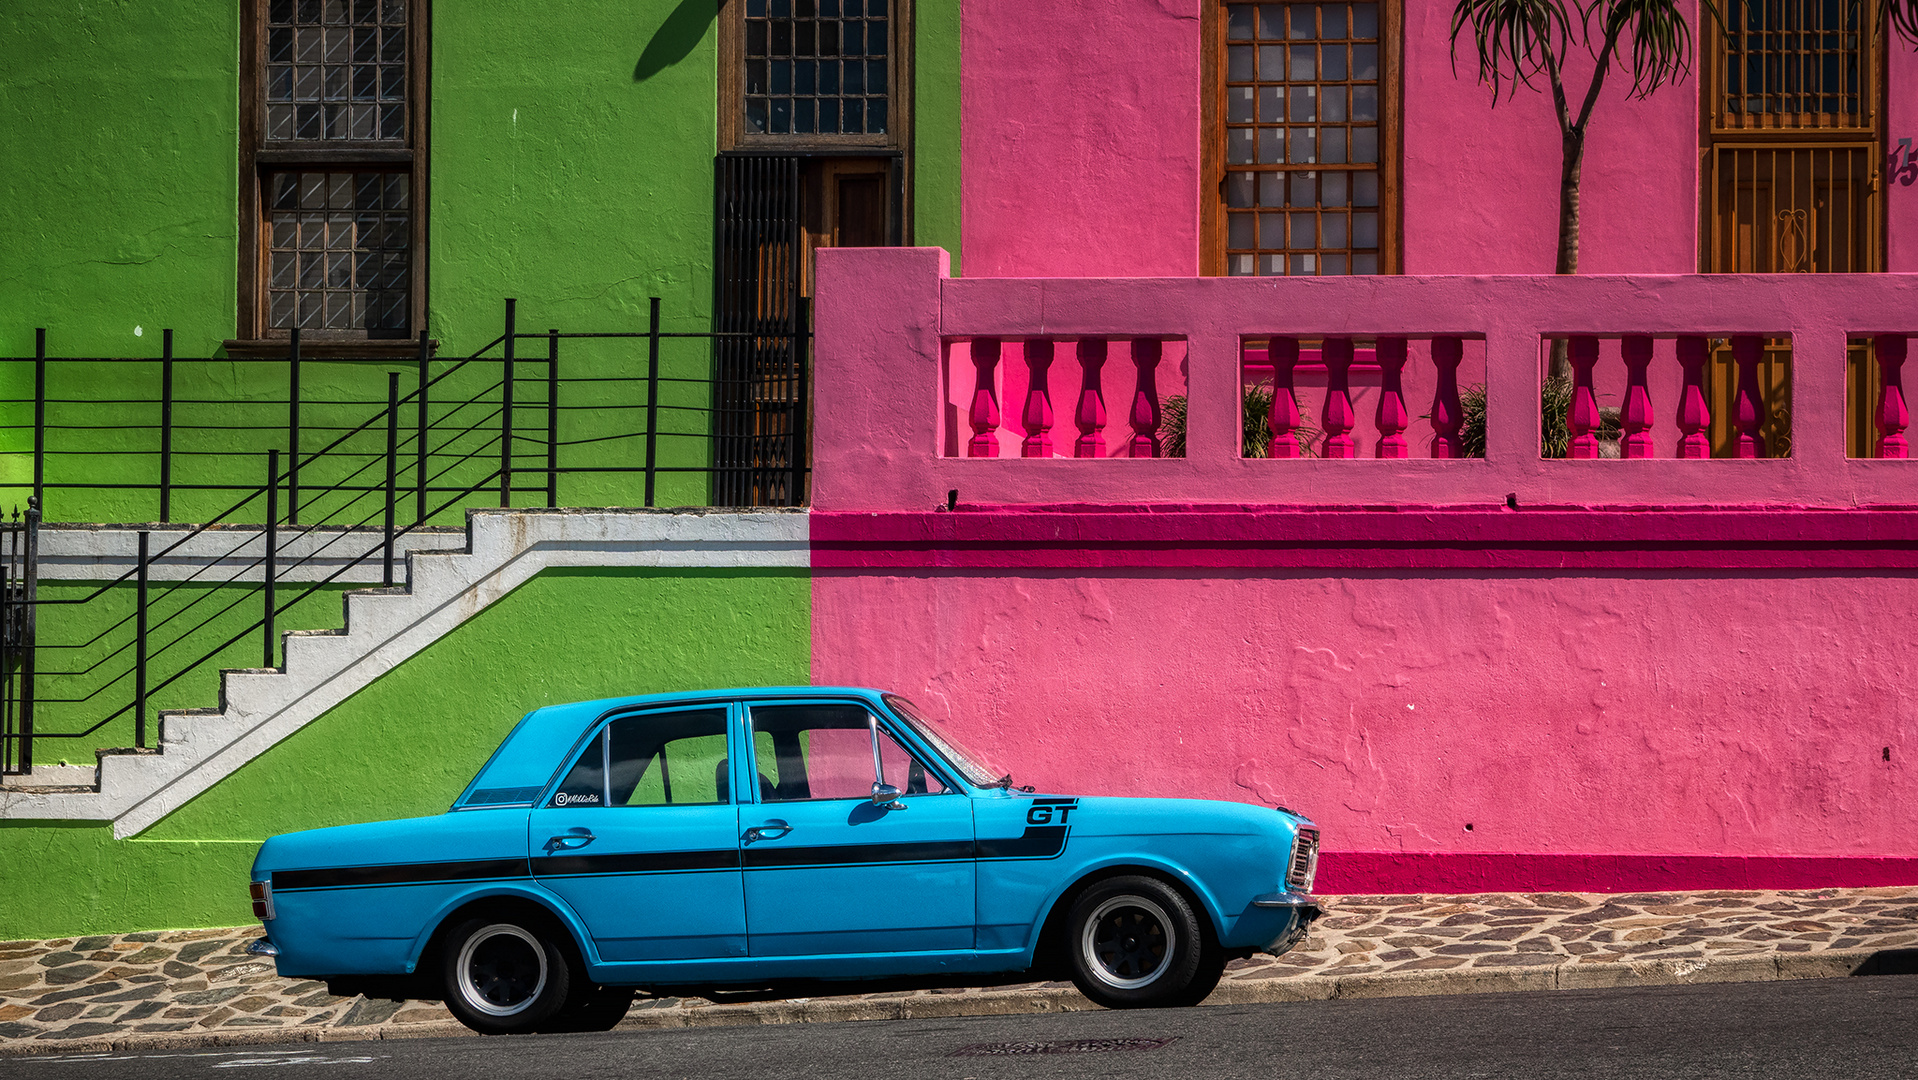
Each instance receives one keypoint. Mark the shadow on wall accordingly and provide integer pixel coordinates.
(676, 37)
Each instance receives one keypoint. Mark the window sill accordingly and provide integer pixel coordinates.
(384, 350)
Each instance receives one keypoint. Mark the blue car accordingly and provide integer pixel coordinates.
(758, 837)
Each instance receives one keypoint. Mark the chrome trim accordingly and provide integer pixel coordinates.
(262, 947)
(1302, 901)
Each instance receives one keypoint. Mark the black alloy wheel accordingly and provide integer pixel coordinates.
(505, 975)
(1135, 941)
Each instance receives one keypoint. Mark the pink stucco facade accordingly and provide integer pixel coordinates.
(1619, 674)
(1085, 161)
(1503, 672)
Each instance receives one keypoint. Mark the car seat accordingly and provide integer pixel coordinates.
(723, 781)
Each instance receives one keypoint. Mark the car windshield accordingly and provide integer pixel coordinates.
(976, 768)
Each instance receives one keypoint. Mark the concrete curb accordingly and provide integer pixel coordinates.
(1834, 963)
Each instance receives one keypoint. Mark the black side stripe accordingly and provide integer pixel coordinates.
(1038, 842)
(856, 854)
(402, 874)
(638, 863)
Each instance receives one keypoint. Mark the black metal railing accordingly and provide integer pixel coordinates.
(19, 543)
(641, 424)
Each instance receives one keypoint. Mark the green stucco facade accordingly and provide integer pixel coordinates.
(407, 744)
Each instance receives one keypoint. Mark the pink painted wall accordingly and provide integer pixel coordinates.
(1553, 713)
(1084, 160)
(1079, 137)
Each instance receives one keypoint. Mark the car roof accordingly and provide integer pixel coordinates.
(526, 758)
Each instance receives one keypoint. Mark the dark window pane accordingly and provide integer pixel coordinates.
(829, 117)
(804, 39)
(782, 77)
(876, 116)
(782, 116)
(803, 116)
(806, 77)
(875, 76)
(855, 76)
(854, 115)
(782, 39)
(755, 39)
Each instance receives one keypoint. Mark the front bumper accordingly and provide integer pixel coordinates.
(1301, 910)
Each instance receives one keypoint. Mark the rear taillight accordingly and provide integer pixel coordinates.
(262, 900)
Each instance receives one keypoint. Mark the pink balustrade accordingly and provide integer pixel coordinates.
(1407, 377)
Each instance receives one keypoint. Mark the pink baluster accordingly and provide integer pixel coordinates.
(1392, 417)
(1283, 420)
(1337, 414)
(1748, 411)
(1447, 413)
(1581, 419)
(1694, 414)
(1038, 415)
(1092, 400)
(1146, 354)
(1892, 417)
(1637, 419)
(985, 400)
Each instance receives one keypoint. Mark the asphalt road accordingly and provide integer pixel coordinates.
(1836, 1028)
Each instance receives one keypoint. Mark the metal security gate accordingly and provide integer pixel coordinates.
(761, 397)
(1793, 97)
(19, 570)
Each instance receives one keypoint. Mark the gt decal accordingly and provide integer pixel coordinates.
(1046, 811)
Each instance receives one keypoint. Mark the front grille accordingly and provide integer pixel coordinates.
(1305, 861)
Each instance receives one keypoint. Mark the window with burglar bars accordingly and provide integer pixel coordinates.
(822, 73)
(1796, 64)
(332, 111)
(1303, 138)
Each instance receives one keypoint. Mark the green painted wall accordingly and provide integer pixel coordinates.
(408, 743)
(935, 151)
(118, 203)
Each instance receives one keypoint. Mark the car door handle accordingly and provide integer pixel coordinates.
(576, 838)
(770, 831)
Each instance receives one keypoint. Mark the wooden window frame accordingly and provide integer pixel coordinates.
(1714, 134)
(732, 92)
(1212, 168)
(258, 160)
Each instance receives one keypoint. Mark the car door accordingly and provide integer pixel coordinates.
(641, 837)
(830, 872)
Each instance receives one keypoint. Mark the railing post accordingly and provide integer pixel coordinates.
(1636, 418)
(293, 430)
(1448, 413)
(1038, 412)
(272, 548)
(392, 470)
(1337, 414)
(552, 418)
(1146, 354)
(1581, 417)
(984, 414)
(140, 649)
(652, 395)
(40, 416)
(1391, 417)
(506, 408)
(166, 425)
(1091, 414)
(1282, 419)
(1694, 412)
(1892, 417)
(419, 446)
(802, 396)
(1748, 406)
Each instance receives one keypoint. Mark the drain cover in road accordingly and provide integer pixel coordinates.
(1073, 1046)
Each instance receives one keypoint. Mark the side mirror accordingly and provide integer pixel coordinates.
(886, 797)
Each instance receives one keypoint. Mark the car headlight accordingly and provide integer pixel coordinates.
(1304, 864)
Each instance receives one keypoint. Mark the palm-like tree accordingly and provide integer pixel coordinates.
(1520, 40)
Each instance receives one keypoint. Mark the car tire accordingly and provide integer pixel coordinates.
(592, 1008)
(505, 974)
(1134, 942)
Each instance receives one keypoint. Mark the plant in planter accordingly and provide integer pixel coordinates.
(1554, 403)
(1255, 437)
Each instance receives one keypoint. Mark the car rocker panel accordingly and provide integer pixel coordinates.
(602, 846)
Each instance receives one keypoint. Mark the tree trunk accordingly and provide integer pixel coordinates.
(1571, 169)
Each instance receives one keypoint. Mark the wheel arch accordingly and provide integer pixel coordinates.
(499, 897)
(1041, 949)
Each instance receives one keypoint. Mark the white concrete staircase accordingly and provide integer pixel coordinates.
(258, 708)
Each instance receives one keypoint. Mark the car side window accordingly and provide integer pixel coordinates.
(825, 752)
(653, 759)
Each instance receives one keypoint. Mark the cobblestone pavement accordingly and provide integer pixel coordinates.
(199, 987)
